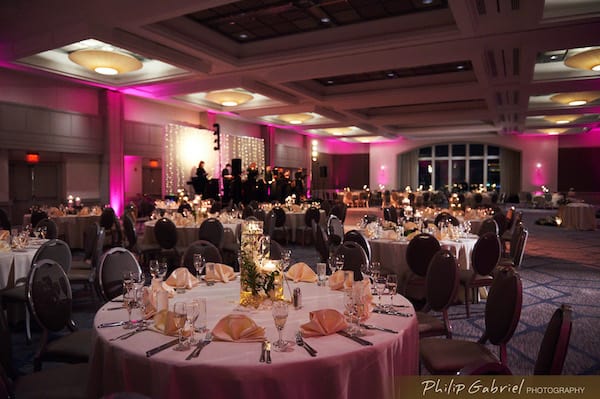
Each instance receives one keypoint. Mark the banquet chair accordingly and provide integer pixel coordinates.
(484, 259)
(4, 222)
(441, 285)
(358, 237)
(90, 237)
(212, 230)
(500, 219)
(63, 382)
(112, 227)
(277, 228)
(247, 212)
(260, 214)
(502, 314)
(56, 250)
(489, 225)
(231, 245)
(419, 252)
(354, 258)
(508, 234)
(390, 214)
(50, 301)
(275, 250)
(144, 251)
(335, 230)
(517, 248)
(339, 210)
(83, 271)
(51, 228)
(165, 233)
(311, 215)
(322, 243)
(113, 265)
(326, 207)
(551, 354)
(445, 217)
(36, 216)
(208, 251)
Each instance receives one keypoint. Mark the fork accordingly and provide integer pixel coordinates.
(129, 333)
(300, 342)
(207, 340)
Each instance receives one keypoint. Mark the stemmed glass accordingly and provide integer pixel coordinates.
(286, 259)
(192, 310)
(380, 283)
(199, 264)
(154, 269)
(280, 314)
(179, 319)
(130, 302)
(391, 284)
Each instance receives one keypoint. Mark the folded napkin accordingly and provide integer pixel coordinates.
(336, 281)
(301, 272)
(85, 211)
(222, 273)
(323, 322)
(4, 246)
(163, 322)
(156, 297)
(238, 328)
(408, 226)
(181, 277)
(413, 235)
(4, 234)
(55, 212)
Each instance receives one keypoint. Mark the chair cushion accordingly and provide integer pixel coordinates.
(76, 347)
(429, 325)
(64, 382)
(446, 356)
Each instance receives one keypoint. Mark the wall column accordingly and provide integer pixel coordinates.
(113, 114)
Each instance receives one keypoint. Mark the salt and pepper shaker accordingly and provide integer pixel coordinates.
(297, 298)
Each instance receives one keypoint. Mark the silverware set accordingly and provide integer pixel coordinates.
(354, 338)
(300, 342)
(201, 345)
(130, 334)
(372, 327)
(391, 312)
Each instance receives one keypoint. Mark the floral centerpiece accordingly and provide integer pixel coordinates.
(261, 277)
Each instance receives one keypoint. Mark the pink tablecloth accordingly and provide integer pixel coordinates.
(342, 369)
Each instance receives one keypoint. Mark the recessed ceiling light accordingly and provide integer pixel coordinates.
(427, 2)
(577, 102)
(553, 57)
(330, 82)
(459, 67)
(391, 75)
(243, 36)
(325, 20)
(106, 71)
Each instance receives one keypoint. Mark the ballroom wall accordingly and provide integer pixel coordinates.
(534, 150)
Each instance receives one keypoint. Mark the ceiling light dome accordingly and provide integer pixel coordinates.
(561, 119)
(295, 119)
(338, 131)
(588, 60)
(576, 99)
(228, 98)
(105, 62)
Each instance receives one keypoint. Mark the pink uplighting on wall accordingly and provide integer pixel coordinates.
(538, 175)
(382, 176)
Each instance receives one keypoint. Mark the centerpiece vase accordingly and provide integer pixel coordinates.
(252, 232)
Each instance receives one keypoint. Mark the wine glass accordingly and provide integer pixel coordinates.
(192, 310)
(199, 264)
(391, 284)
(130, 302)
(154, 269)
(280, 314)
(162, 270)
(286, 258)
(179, 318)
(380, 283)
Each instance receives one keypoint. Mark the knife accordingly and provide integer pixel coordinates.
(361, 341)
(162, 347)
(392, 313)
(111, 324)
(372, 327)
(268, 351)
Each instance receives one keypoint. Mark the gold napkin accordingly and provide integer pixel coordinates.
(55, 212)
(238, 328)
(181, 277)
(323, 322)
(4, 246)
(222, 273)
(408, 226)
(337, 282)
(4, 234)
(85, 211)
(413, 235)
(301, 272)
(163, 322)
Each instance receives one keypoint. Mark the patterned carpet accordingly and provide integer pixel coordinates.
(560, 266)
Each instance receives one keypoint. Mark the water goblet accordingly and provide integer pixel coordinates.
(280, 315)
(130, 302)
(154, 270)
(286, 257)
(192, 311)
(391, 284)
(321, 273)
(199, 264)
(201, 319)
(179, 319)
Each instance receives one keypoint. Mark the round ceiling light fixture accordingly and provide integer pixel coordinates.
(228, 98)
(576, 99)
(338, 131)
(105, 62)
(295, 119)
(561, 119)
(588, 60)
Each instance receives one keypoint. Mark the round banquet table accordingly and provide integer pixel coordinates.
(578, 216)
(70, 227)
(15, 265)
(342, 368)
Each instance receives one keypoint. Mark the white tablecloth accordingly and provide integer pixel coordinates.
(15, 265)
(70, 227)
(342, 369)
(578, 216)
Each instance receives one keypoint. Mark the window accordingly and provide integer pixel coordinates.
(452, 165)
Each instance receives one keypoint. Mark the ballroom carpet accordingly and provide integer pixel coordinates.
(559, 267)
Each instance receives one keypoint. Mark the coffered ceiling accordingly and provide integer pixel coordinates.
(362, 70)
